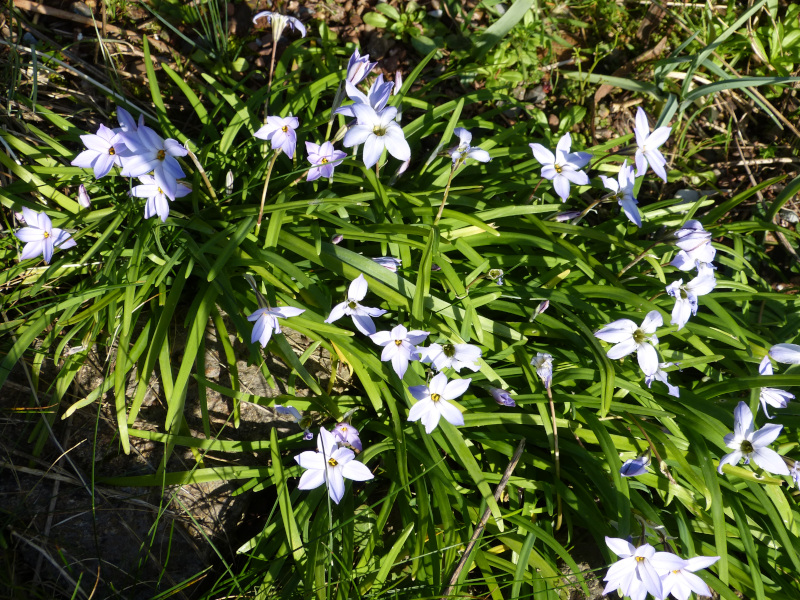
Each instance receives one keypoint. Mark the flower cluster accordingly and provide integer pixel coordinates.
(138, 151)
(642, 570)
(565, 167)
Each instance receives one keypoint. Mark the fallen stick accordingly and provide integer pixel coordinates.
(498, 492)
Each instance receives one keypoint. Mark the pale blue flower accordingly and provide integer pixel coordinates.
(266, 322)
(348, 435)
(279, 23)
(622, 187)
(376, 132)
(636, 573)
(648, 146)
(464, 151)
(83, 197)
(788, 354)
(359, 67)
(563, 167)
(543, 363)
(303, 421)
(771, 396)
(324, 159)
(280, 133)
(453, 356)
(662, 376)
(695, 246)
(686, 295)
(330, 465)
(748, 443)
(433, 401)
(634, 467)
(629, 337)
(680, 580)
(40, 237)
(379, 93)
(399, 346)
(104, 149)
(389, 262)
(157, 199)
(362, 315)
(153, 153)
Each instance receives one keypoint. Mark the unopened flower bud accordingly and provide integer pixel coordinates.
(502, 397)
(83, 197)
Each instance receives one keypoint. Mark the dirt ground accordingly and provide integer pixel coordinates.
(68, 535)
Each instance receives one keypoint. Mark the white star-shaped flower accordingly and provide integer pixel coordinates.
(433, 401)
(330, 465)
(563, 167)
(772, 396)
(399, 346)
(649, 143)
(622, 188)
(352, 307)
(455, 356)
(686, 295)
(750, 444)
(266, 320)
(629, 338)
(681, 581)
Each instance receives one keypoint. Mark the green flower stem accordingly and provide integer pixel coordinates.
(446, 192)
(264, 191)
(556, 457)
(638, 258)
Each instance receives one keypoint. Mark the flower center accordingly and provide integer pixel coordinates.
(160, 191)
(639, 336)
(352, 304)
(378, 130)
(676, 571)
(285, 128)
(435, 397)
(746, 447)
(324, 160)
(449, 350)
(557, 168)
(162, 154)
(640, 559)
(46, 235)
(684, 295)
(343, 428)
(398, 342)
(111, 151)
(332, 462)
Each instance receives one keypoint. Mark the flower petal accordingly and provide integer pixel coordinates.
(648, 359)
(623, 348)
(455, 388)
(311, 480)
(357, 471)
(766, 435)
(617, 331)
(542, 154)
(450, 413)
(358, 289)
(770, 461)
(788, 354)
